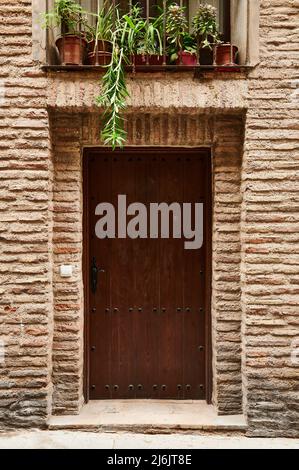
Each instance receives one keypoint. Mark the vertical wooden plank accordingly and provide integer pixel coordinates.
(122, 279)
(86, 278)
(100, 190)
(146, 269)
(171, 284)
(194, 287)
(208, 275)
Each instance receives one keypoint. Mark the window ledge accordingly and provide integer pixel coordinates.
(234, 72)
(152, 68)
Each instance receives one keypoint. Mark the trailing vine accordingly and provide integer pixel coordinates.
(128, 33)
(113, 98)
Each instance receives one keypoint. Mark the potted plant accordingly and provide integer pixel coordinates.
(189, 53)
(206, 31)
(150, 46)
(131, 34)
(178, 37)
(69, 16)
(100, 36)
(225, 54)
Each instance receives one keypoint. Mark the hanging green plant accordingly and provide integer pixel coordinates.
(131, 35)
(113, 99)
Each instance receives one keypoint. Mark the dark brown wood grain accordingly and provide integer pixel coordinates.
(148, 325)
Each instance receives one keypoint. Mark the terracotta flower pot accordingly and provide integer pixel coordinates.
(100, 58)
(141, 59)
(206, 56)
(205, 53)
(103, 46)
(225, 54)
(71, 49)
(186, 58)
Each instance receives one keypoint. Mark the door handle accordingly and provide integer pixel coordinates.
(94, 275)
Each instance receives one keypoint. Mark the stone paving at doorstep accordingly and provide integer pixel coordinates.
(90, 440)
(148, 416)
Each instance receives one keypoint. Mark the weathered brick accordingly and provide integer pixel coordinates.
(256, 204)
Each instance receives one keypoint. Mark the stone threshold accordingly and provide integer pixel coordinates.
(149, 416)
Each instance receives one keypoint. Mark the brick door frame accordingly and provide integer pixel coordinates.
(224, 134)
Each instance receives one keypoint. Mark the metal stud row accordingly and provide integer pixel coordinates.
(155, 309)
(131, 387)
(154, 159)
(200, 348)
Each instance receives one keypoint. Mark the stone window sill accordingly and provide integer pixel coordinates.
(213, 71)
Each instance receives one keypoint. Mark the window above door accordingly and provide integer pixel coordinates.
(237, 20)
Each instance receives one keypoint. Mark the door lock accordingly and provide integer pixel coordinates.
(94, 275)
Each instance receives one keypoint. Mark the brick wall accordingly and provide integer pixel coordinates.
(67, 247)
(270, 262)
(25, 225)
(268, 307)
(226, 286)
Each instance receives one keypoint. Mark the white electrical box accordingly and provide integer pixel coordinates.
(66, 270)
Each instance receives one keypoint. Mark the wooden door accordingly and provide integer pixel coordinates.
(148, 318)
